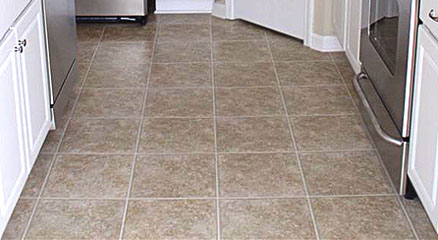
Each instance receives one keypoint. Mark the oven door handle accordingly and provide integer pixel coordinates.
(370, 112)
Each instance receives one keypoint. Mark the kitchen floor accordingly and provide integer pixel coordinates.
(192, 127)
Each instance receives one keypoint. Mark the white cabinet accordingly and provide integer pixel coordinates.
(13, 170)
(423, 159)
(30, 29)
(25, 115)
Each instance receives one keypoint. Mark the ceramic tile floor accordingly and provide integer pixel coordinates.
(194, 127)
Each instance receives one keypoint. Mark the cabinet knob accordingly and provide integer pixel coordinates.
(19, 49)
(433, 15)
(23, 42)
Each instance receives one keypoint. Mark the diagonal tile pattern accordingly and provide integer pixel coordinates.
(193, 127)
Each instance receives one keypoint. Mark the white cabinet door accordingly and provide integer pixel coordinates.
(423, 160)
(339, 20)
(13, 171)
(352, 36)
(286, 16)
(30, 31)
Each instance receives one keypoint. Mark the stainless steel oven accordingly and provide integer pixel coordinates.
(388, 37)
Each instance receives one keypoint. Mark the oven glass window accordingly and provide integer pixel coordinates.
(383, 30)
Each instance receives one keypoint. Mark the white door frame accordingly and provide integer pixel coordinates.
(308, 20)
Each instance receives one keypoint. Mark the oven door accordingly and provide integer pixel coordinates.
(384, 53)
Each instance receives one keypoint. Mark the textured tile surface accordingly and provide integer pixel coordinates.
(307, 73)
(318, 100)
(89, 176)
(183, 219)
(37, 176)
(242, 74)
(361, 218)
(253, 135)
(174, 176)
(266, 219)
(77, 219)
(259, 175)
(190, 102)
(110, 75)
(181, 75)
(248, 101)
(100, 136)
(344, 173)
(177, 51)
(241, 51)
(330, 133)
(18, 221)
(110, 103)
(207, 165)
(167, 135)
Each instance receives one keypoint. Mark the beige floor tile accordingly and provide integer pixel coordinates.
(110, 103)
(244, 74)
(129, 33)
(259, 175)
(235, 30)
(164, 176)
(361, 218)
(251, 51)
(124, 53)
(82, 68)
(339, 56)
(77, 219)
(248, 101)
(184, 32)
(189, 102)
(253, 135)
(100, 136)
(330, 133)
(19, 219)
(89, 176)
(266, 219)
(344, 173)
(318, 100)
(183, 219)
(273, 35)
(167, 135)
(89, 32)
(54, 137)
(184, 19)
(177, 51)
(110, 75)
(37, 176)
(86, 52)
(295, 51)
(307, 73)
(421, 222)
(181, 75)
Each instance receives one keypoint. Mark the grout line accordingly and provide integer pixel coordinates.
(294, 144)
(26, 229)
(137, 145)
(235, 62)
(55, 154)
(382, 166)
(216, 163)
(219, 153)
(215, 198)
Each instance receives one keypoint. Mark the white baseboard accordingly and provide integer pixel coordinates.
(184, 6)
(219, 10)
(325, 43)
(355, 63)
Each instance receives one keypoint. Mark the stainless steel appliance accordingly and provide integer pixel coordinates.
(387, 53)
(61, 39)
(112, 10)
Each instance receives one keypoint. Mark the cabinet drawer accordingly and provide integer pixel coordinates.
(9, 11)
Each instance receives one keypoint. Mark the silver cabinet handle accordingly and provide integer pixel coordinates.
(433, 15)
(19, 49)
(370, 112)
(22, 42)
